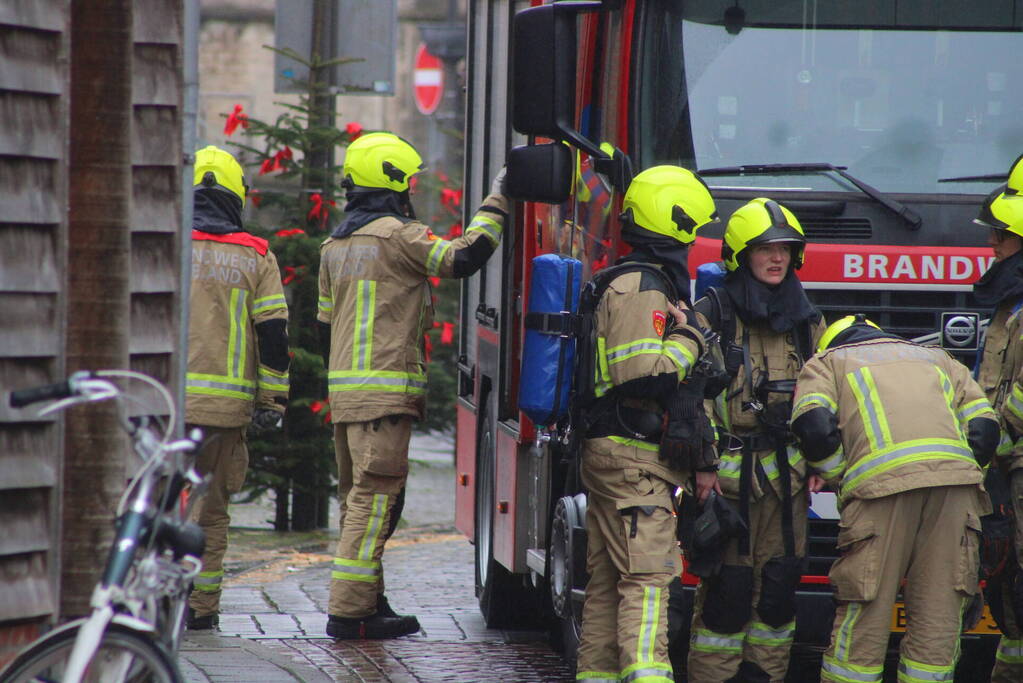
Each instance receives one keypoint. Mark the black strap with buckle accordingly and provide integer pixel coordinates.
(563, 324)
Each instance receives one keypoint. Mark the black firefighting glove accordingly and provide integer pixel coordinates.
(266, 419)
(684, 434)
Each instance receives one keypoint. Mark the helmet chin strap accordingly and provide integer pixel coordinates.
(405, 201)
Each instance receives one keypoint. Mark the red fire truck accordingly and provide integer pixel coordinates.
(881, 125)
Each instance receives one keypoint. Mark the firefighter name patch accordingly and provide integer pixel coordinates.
(660, 320)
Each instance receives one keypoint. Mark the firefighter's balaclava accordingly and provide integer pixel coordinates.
(781, 307)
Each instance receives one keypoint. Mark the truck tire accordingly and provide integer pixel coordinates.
(504, 599)
(567, 569)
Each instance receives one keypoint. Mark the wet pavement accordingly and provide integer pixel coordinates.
(273, 609)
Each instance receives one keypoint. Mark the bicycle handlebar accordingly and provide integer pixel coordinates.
(46, 392)
(86, 386)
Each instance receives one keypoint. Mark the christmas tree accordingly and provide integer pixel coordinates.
(294, 179)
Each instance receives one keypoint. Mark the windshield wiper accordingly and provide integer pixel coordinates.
(990, 178)
(911, 217)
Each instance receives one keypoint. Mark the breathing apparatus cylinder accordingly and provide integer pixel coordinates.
(548, 354)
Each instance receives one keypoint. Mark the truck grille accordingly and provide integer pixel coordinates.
(909, 313)
(838, 229)
(820, 546)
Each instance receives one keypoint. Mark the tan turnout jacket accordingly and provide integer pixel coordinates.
(773, 356)
(236, 284)
(631, 324)
(1001, 377)
(376, 296)
(902, 411)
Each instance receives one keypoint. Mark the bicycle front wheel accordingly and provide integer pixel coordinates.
(123, 656)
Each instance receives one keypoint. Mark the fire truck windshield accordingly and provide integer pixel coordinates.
(729, 84)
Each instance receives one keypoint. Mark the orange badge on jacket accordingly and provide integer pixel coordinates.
(660, 320)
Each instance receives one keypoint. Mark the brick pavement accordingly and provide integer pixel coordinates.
(272, 621)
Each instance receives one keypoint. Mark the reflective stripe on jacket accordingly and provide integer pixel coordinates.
(773, 356)
(236, 284)
(633, 343)
(902, 411)
(1000, 375)
(375, 294)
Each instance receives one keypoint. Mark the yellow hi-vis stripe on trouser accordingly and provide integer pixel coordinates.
(712, 641)
(918, 672)
(843, 642)
(832, 670)
(648, 672)
(646, 669)
(355, 570)
(1010, 651)
(595, 676)
(209, 582)
(364, 567)
(648, 625)
(762, 634)
(373, 526)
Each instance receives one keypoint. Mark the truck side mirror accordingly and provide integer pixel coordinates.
(544, 82)
(540, 173)
(543, 79)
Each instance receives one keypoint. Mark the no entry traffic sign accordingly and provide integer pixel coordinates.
(427, 81)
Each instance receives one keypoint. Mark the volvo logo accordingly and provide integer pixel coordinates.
(959, 330)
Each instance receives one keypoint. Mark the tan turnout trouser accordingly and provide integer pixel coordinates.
(632, 556)
(225, 456)
(930, 537)
(761, 640)
(372, 463)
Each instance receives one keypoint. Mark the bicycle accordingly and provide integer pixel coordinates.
(138, 606)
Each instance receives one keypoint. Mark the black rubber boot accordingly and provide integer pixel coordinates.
(374, 627)
(203, 623)
(384, 609)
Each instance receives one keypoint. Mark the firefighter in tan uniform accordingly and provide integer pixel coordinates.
(901, 433)
(237, 355)
(1000, 374)
(646, 347)
(744, 617)
(374, 308)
